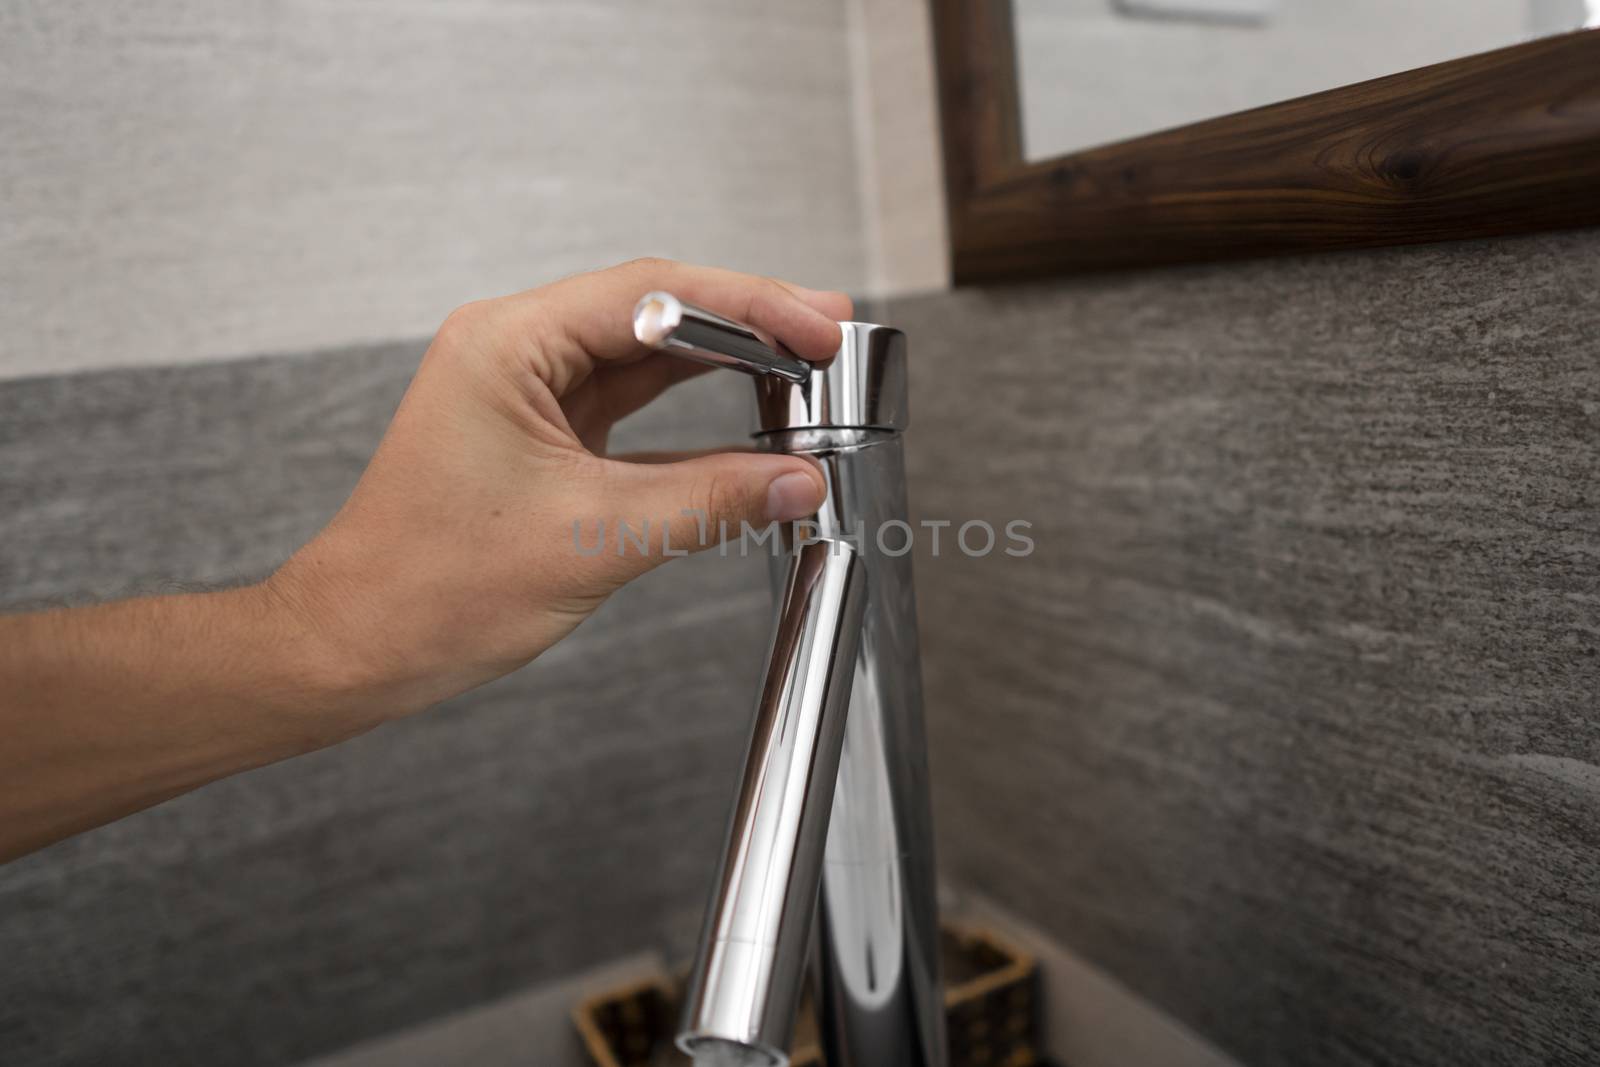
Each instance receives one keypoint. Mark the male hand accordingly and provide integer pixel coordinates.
(454, 560)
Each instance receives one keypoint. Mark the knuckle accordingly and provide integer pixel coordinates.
(719, 495)
(462, 323)
(768, 296)
(647, 265)
(773, 290)
(707, 495)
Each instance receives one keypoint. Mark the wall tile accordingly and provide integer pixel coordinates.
(902, 171)
(566, 815)
(1290, 721)
(187, 181)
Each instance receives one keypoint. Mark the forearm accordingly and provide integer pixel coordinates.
(110, 709)
(452, 563)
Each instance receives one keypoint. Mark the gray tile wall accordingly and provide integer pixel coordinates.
(1292, 721)
(562, 817)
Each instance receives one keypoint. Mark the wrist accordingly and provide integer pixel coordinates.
(359, 635)
(324, 655)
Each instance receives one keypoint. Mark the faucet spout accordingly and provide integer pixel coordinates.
(753, 951)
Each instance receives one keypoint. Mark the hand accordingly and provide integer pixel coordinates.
(454, 560)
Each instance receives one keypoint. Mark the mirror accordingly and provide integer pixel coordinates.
(1095, 72)
(1122, 143)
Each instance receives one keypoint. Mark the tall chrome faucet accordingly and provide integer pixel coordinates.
(832, 816)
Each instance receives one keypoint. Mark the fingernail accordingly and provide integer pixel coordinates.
(791, 496)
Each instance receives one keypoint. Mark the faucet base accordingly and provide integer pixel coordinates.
(992, 1013)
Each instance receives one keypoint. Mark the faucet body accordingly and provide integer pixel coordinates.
(877, 939)
(829, 850)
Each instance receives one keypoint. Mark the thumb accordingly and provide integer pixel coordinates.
(693, 504)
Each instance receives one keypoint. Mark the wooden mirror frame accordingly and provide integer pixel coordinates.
(1503, 142)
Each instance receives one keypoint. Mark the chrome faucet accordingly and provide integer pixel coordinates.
(832, 816)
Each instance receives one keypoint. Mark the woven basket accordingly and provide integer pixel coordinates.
(990, 1000)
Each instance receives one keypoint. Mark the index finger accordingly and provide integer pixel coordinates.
(604, 300)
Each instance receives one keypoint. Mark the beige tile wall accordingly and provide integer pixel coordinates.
(901, 169)
(184, 181)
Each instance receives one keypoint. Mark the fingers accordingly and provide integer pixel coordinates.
(836, 305)
(596, 310)
(687, 504)
(614, 392)
(678, 456)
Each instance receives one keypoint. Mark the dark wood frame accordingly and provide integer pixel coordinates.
(1498, 143)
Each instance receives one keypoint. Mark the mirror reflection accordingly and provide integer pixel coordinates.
(1096, 71)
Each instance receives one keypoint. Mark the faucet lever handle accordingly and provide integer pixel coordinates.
(664, 322)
